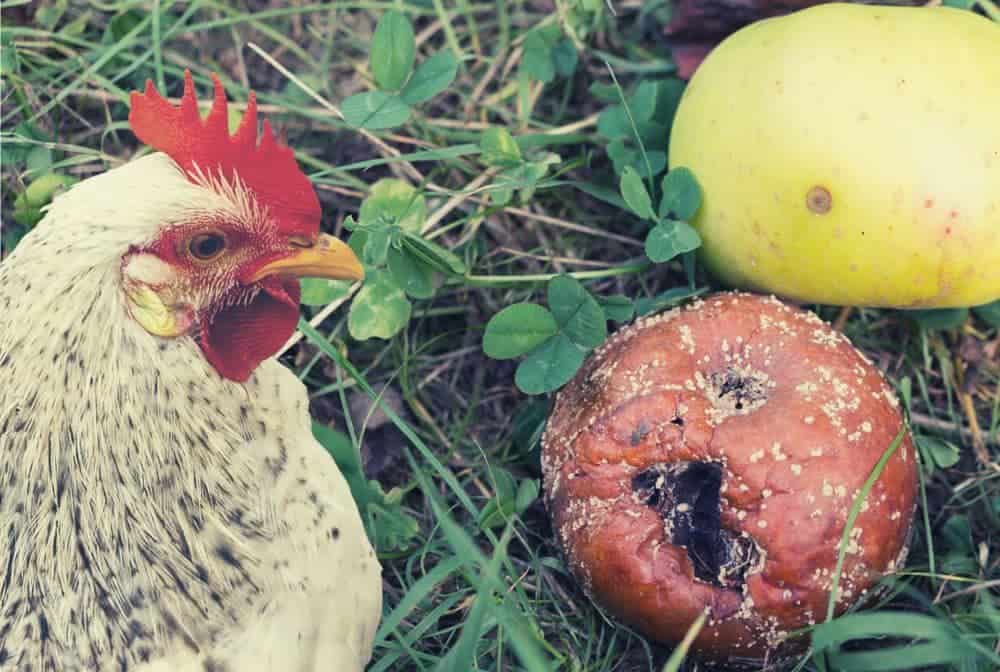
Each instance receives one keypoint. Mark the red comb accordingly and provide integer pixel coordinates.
(268, 169)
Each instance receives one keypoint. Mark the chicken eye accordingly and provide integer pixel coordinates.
(207, 246)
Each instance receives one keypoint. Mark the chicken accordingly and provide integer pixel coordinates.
(163, 504)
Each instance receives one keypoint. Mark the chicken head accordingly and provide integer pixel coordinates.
(227, 273)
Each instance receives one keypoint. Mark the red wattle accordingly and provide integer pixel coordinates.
(237, 339)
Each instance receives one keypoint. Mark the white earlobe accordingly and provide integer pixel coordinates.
(147, 269)
(146, 281)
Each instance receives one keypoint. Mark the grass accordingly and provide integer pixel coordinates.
(473, 579)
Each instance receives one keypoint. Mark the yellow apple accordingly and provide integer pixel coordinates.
(850, 154)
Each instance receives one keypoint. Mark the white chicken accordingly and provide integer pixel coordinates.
(163, 503)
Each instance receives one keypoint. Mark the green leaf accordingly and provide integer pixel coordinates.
(959, 562)
(652, 129)
(577, 312)
(28, 204)
(501, 196)
(434, 255)
(10, 236)
(319, 291)
(357, 242)
(603, 93)
(871, 624)
(669, 238)
(940, 318)
(10, 64)
(377, 246)
(564, 57)
(531, 172)
(527, 493)
(938, 452)
(392, 528)
(613, 123)
(39, 160)
(49, 13)
(549, 366)
(642, 103)
(537, 57)
(16, 150)
(904, 657)
(529, 423)
(635, 194)
(375, 110)
(938, 641)
(27, 129)
(681, 194)
(380, 309)
(989, 313)
(495, 513)
(654, 164)
(518, 329)
(619, 152)
(123, 24)
(431, 78)
(618, 307)
(499, 148)
(667, 299)
(395, 201)
(502, 506)
(958, 533)
(413, 275)
(504, 483)
(652, 133)
(905, 386)
(648, 165)
(78, 26)
(392, 51)
(668, 97)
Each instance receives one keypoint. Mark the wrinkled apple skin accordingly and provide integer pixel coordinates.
(850, 155)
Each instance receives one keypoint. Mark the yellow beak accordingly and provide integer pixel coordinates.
(327, 258)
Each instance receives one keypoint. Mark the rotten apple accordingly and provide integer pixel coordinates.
(706, 459)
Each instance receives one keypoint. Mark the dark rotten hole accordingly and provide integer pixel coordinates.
(744, 390)
(686, 495)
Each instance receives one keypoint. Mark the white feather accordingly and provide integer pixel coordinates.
(154, 515)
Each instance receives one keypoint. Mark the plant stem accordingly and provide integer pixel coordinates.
(504, 280)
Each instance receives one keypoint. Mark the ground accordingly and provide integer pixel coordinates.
(472, 571)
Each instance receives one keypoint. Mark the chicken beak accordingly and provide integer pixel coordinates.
(327, 258)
